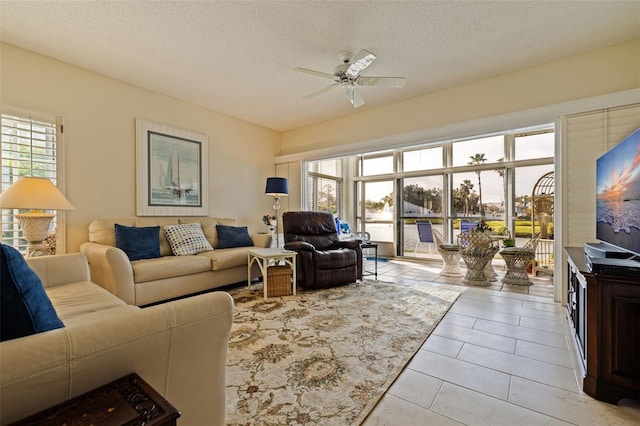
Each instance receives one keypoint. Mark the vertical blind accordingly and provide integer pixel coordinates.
(29, 148)
(588, 136)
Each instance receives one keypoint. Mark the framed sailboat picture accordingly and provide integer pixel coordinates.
(171, 171)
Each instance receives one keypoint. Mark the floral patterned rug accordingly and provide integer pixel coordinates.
(326, 356)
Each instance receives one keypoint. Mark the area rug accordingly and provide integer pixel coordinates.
(325, 357)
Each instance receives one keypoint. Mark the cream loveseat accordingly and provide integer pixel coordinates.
(179, 347)
(142, 282)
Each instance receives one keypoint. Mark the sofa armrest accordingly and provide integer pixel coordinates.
(111, 269)
(179, 348)
(262, 240)
(60, 269)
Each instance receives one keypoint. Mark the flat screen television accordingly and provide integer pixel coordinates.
(618, 195)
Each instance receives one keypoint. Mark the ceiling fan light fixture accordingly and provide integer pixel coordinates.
(347, 76)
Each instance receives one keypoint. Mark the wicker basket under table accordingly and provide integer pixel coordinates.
(279, 282)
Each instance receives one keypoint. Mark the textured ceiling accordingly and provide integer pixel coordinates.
(237, 57)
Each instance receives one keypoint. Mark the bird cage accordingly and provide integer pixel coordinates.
(542, 202)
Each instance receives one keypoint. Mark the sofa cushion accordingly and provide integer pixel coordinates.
(138, 243)
(169, 267)
(76, 300)
(226, 258)
(187, 239)
(233, 236)
(25, 307)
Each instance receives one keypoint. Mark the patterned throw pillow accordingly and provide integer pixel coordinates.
(187, 239)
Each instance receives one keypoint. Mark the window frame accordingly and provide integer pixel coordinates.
(311, 199)
(358, 179)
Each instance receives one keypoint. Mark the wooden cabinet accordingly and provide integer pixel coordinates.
(576, 301)
(605, 312)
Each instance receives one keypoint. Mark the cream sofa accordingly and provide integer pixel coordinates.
(179, 347)
(142, 282)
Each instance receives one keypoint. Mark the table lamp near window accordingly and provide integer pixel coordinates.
(37, 195)
(277, 187)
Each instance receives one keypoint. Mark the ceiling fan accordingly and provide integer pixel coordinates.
(347, 75)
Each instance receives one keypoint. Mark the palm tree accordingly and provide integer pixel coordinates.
(501, 173)
(465, 189)
(479, 159)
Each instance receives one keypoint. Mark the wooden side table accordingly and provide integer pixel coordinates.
(264, 257)
(126, 401)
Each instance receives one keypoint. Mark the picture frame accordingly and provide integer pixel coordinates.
(171, 171)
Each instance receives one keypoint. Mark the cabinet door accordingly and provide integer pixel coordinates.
(621, 334)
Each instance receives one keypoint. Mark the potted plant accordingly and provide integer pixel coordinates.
(509, 242)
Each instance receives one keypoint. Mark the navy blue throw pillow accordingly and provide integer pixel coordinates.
(25, 307)
(233, 236)
(138, 242)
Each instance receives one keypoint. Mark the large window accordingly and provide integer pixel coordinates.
(484, 177)
(422, 159)
(30, 147)
(478, 151)
(377, 165)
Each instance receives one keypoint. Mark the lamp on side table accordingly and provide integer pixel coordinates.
(37, 195)
(277, 187)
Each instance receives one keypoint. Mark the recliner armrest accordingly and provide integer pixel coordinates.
(299, 246)
(351, 244)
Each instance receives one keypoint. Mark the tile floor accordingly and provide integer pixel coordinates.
(498, 357)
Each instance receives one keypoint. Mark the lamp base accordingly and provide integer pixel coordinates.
(35, 228)
(37, 249)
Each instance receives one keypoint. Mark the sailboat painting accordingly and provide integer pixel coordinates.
(175, 171)
(172, 172)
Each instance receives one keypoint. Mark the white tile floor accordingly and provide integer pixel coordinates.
(496, 358)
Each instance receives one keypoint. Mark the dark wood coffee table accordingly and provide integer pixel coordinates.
(127, 401)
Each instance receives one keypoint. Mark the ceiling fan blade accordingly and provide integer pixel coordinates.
(321, 91)
(382, 81)
(354, 95)
(362, 60)
(316, 73)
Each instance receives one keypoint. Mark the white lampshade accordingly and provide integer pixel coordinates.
(34, 193)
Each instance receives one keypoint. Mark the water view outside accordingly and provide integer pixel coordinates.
(473, 194)
(490, 178)
(379, 210)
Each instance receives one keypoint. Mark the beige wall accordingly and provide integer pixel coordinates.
(99, 135)
(596, 73)
(99, 115)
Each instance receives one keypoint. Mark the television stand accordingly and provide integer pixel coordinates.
(604, 310)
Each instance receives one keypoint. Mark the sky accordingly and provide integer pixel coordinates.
(533, 146)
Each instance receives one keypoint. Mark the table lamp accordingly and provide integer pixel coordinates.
(35, 194)
(277, 187)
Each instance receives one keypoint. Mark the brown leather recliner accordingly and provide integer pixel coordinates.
(323, 260)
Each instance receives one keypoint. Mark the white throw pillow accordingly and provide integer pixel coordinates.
(187, 239)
